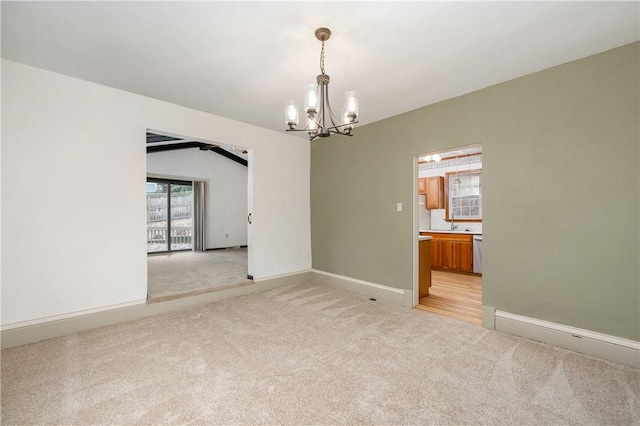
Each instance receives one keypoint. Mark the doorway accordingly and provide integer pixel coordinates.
(448, 209)
(198, 200)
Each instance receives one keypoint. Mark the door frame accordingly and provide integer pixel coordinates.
(415, 234)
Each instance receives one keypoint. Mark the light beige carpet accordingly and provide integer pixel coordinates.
(187, 273)
(308, 354)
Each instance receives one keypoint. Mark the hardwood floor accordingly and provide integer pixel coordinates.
(454, 295)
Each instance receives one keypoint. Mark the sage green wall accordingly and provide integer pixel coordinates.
(561, 192)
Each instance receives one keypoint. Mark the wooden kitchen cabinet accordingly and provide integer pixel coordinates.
(422, 186)
(436, 253)
(465, 257)
(435, 192)
(456, 255)
(453, 252)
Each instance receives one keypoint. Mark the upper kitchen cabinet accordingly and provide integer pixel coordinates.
(433, 188)
(422, 186)
(435, 192)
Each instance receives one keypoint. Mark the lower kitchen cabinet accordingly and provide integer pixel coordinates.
(436, 253)
(452, 252)
(457, 255)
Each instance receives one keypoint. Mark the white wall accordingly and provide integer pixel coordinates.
(226, 190)
(73, 193)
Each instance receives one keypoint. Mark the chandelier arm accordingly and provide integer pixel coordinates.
(306, 129)
(342, 132)
(331, 116)
(318, 124)
(337, 128)
(333, 119)
(324, 102)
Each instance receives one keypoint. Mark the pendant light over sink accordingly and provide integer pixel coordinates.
(457, 180)
(321, 121)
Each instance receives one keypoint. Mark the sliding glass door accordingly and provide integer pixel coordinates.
(169, 215)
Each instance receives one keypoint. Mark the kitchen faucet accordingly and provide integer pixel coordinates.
(453, 219)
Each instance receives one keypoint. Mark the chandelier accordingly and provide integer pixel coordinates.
(321, 121)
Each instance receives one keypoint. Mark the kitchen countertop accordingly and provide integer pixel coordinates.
(424, 238)
(448, 231)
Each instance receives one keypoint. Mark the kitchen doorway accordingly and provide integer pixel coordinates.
(448, 211)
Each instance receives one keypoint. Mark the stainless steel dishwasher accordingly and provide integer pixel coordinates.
(477, 254)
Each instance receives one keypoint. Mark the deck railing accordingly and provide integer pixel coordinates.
(179, 235)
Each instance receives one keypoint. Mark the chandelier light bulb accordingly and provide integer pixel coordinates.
(291, 114)
(311, 99)
(346, 119)
(351, 105)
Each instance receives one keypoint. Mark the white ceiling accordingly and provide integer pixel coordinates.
(244, 60)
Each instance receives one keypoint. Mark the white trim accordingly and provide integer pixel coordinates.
(415, 293)
(612, 348)
(358, 281)
(288, 274)
(379, 291)
(71, 315)
(571, 330)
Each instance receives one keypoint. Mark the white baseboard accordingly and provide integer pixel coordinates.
(33, 331)
(37, 321)
(600, 345)
(377, 291)
(296, 277)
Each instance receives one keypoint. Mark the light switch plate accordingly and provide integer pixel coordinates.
(399, 207)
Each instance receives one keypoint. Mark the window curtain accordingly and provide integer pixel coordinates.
(198, 216)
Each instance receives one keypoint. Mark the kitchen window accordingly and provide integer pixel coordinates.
(463, 195)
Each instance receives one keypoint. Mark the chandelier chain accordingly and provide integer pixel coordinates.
(322, 58)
